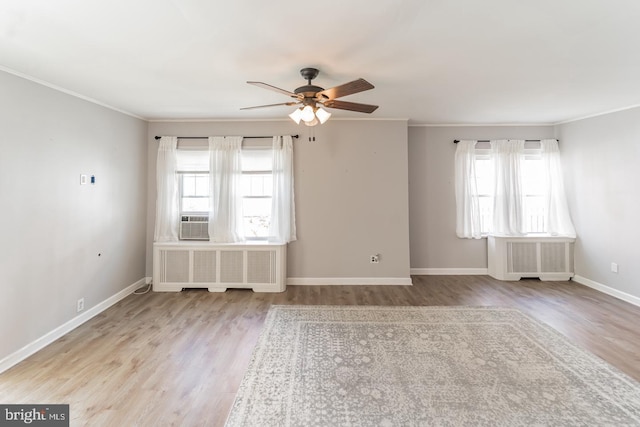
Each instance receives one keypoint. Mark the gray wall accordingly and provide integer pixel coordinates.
(351, 193)
(53, 228)
(601, 160)
(432, 207)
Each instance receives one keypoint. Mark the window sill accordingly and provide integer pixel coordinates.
(209, 243)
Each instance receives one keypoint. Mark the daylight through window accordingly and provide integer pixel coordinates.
(256, 188)
(533, 180)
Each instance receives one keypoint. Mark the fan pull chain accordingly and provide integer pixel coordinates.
(312, 134)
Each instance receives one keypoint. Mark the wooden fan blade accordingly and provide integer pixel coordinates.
(355, 86)
(271, 105)
(273, 88)
(351, 106)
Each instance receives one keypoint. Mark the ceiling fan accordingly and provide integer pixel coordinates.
(312, 98)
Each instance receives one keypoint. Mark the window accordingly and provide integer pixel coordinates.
(194, 193)
(193, 181)
(510, 187)
(533, 179)
(257, 183)
(257, 189)
(533, 183)
(484, 183)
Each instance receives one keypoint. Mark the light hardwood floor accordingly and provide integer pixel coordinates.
(163, 359)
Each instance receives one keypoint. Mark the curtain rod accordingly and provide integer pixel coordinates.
(205, 137)
(455, 141)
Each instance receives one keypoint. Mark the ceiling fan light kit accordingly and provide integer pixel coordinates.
(313, 98)
(310, 116)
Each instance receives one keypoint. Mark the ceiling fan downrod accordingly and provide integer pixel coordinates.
(309, 74)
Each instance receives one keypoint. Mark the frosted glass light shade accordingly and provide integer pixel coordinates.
(323, 115)
(296, 116)
(307, 114)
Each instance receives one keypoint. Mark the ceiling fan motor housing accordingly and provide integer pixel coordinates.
(309, 91)
(309, 73)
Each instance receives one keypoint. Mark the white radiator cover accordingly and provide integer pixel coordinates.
(548, 257)
(217, 267)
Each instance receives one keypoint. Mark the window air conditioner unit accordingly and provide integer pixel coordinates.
(194, 227)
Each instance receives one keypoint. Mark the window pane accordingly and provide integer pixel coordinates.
(484, 176)
(257, 190)
(202, 185)
(486, 213)
(195, 204)
(533, 177)
(188, 185)
(194, 196)
(534, 213)
(257, 185)
(195, 185)
(534, 181)
(256, 214)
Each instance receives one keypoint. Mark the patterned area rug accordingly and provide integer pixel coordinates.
(425, 366)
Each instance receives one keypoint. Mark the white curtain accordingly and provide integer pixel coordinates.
(225, 217)
(508, 207)
(467, 205)
(167, 209)
(283, 216)
(557, 215)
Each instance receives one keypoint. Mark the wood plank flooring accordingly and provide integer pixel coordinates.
(177, 359)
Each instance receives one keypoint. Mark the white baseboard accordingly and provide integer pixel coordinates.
(31, 348)
(313, 281)
(449, 271)
(607, 290)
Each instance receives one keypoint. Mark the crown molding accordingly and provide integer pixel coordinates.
(604, 113)
(437, 125)
(284, 119)
(68, 92)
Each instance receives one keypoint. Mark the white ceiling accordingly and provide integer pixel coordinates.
(432, 61)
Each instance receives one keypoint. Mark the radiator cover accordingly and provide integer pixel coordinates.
(512, 258)
(217, 267)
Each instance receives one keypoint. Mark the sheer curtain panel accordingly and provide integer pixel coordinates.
(167, 209)
(558, 219)
(508, 206)
(283, 216)
(225, 217)
(467, 205)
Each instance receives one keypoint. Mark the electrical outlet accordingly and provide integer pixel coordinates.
(375, 259)
(614, 267)
(80, 305)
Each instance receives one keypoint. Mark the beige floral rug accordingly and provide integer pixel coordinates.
(425, 366)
